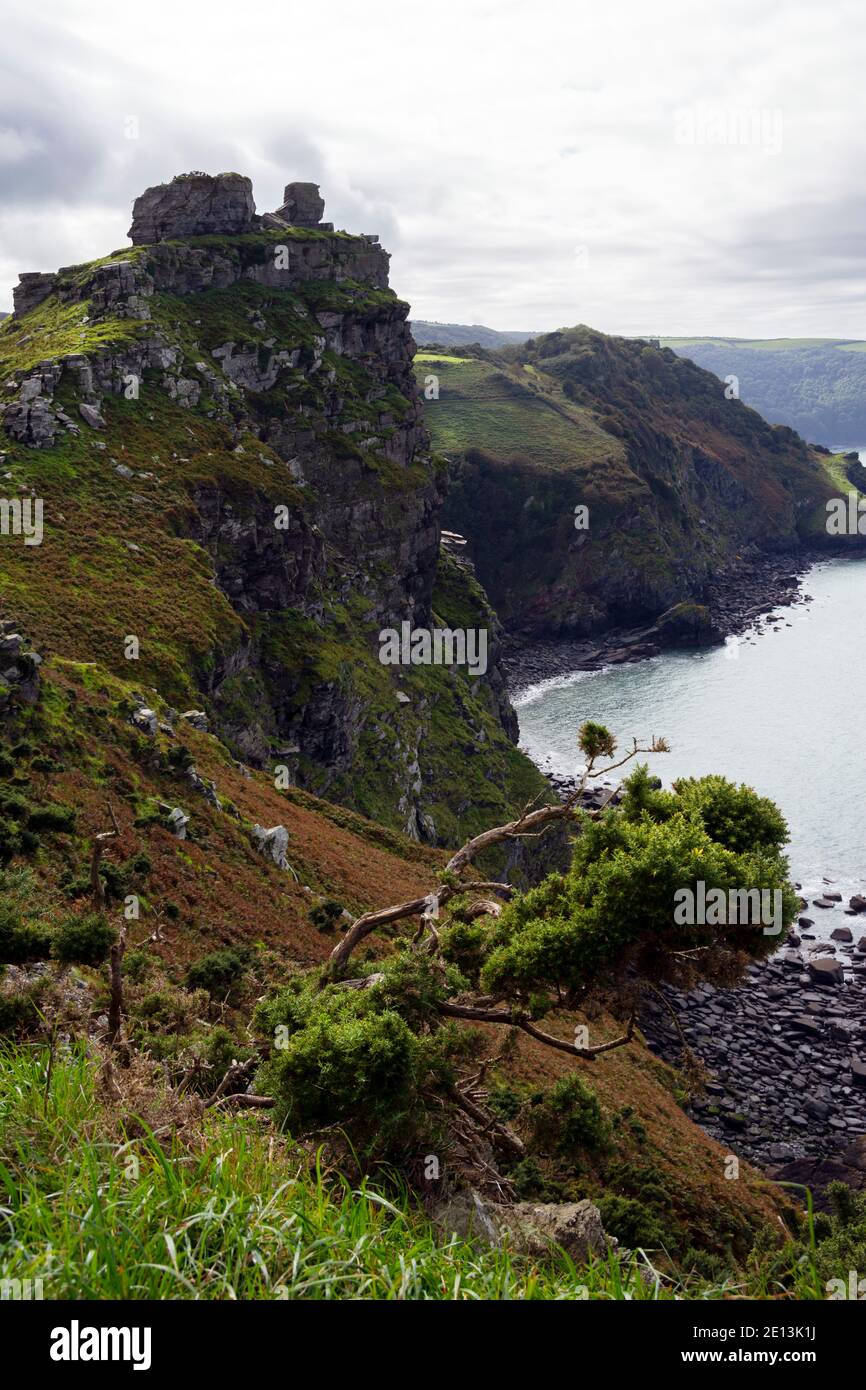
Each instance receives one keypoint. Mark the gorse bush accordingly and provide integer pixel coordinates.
(220, 971)
(375, 1053)
(21, 823)
(568, 1118)
(84, 940)
(53, 818)
(632, 1222)
(326, 915)
(21, 940)
(359, 1057)
(612, 913)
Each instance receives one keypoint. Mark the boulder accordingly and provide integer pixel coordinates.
(825, 971)
(273, 843)
(842, 934)
(33, 423)
(145, 719)
(19, 669)
(858, 903)
(91, 416)
(810, 1026)
(197, 718)
(193, 205)
(529, 1228)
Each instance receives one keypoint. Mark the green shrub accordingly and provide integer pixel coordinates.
(21, 940)
(137, 965)
(167, 1010)
(633, 1223)
(84, 940)
(568, 1118)
(359, 1058)
(19, 1013)
(612, 914)
(43, 764)
(219, 972)
(326, 915)
(54, 818)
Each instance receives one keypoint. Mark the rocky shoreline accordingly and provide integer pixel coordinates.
(786, 1054)
(742, 594)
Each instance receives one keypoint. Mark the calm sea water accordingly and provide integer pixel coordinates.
(782, 711)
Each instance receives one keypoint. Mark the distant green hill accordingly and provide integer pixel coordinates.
(427, 332)
(815, 385)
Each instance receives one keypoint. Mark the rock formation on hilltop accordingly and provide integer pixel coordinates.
(193, 205)
(240, 393)
(218, 205)
(302, 206)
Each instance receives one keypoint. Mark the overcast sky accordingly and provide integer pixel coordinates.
(670, 167)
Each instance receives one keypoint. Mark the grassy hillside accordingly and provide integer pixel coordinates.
(817, 386)
(219, 926)
(677, 478)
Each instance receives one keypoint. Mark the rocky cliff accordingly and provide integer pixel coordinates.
(223, 427)
(602, 480)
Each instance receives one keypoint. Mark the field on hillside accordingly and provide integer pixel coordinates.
(509, 413)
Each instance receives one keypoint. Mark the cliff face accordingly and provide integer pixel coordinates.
(225, 432)
(676, 479)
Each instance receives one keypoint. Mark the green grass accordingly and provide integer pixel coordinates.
(510, 415)
(227, 1214)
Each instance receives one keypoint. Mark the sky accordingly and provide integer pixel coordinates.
(675, 167)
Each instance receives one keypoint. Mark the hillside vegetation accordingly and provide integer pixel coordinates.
(213, 794)
(161, 520)
(677, 479)
(815, 385)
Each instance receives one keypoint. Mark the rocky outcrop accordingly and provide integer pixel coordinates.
(273, 843)
(528, 1228)
(33, 286)
(19, 669)
(193, 205)
(302, 205)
